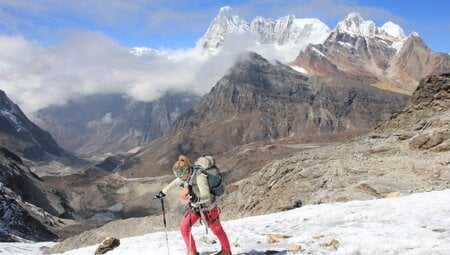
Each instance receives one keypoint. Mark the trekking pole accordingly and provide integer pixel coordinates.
(165, 224)
(202, 213)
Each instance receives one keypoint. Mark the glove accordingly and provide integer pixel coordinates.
(160, 195)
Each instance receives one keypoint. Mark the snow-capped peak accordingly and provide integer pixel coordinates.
(393, 30)
(389, 34)
(224, 24)
(414, 33)
(224, 10)
(353, 24)
(354, 16)
(285, 30)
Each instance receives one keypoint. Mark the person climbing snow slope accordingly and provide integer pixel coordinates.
(201, 202)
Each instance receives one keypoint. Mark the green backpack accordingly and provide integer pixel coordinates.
(207, 165)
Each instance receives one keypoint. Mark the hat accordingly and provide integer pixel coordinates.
(182, 166)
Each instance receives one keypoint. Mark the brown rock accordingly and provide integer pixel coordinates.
(445, 146)
(332, 244)
(428, 140)
(108, 244)
(405, 136)
(275, 238)
(435, 139)
(393, 194)
(294, 247)
(418, 141)
(366, 188)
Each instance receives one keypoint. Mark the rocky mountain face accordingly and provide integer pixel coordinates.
(19, 133)
(415, 61)
(381, 56)
(283, 31)
(111, 123)
(29, 209)
(23, 137)
(424, 122)
(260, 102)
(408, 153)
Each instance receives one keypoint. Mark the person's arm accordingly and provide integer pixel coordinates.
(173, 184)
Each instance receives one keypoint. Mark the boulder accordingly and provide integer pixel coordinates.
(107, 245)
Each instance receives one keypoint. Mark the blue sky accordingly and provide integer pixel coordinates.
(180, 23)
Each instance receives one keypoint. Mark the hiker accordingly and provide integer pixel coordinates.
(201, 203)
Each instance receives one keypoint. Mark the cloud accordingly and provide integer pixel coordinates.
(105, 120)
(86, 63)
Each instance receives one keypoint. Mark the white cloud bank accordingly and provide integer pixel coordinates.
(35, 77)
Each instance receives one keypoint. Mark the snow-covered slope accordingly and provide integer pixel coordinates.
(415, 224)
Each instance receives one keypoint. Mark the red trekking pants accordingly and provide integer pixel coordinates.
(212, 218)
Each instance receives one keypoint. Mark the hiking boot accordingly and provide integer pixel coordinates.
(223, 253)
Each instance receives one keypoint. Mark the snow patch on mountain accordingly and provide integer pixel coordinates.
(9, 115)
(398, 45)
(299, 69)
(318, 52)
(393, 30)
(11, 112)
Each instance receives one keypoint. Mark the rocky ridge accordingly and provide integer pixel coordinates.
(380, 56)
(36, 146)
(15, 126)
(29, 209)
(259, 102)
(408, 153)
